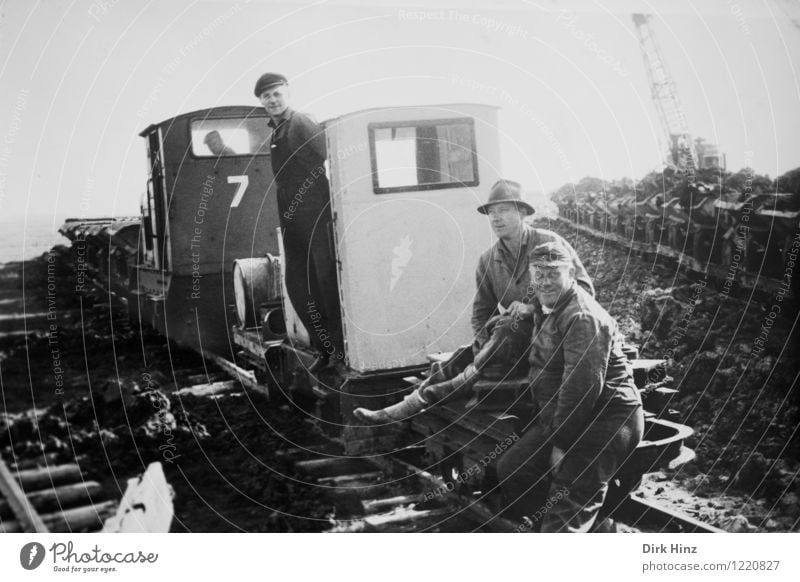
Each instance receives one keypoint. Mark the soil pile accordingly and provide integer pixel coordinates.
(734, 361)
(95, 390)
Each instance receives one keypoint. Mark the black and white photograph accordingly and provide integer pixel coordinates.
(352, 266)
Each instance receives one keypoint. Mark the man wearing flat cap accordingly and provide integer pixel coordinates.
(298, 153)
(217, 145)
(502, 277)
(589, 418)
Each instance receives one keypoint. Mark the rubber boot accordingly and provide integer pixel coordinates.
(460, 383)
(406, 408)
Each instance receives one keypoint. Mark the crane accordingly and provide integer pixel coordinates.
(680, 150)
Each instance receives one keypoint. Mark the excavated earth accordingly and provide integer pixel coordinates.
(98, 391)
(81, 384)
(733, 358)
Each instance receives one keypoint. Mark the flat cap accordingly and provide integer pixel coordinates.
(210, 134)
(268, 80)
(506, 191)
(550, 254)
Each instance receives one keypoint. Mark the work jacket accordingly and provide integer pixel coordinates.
(298, 152)
(578, 371)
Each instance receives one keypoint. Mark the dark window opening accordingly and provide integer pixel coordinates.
(423, 155)
(230, 137)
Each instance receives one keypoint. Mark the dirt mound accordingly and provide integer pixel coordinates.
(733, 359)
(99, 392)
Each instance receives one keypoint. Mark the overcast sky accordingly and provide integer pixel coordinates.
(79, 80)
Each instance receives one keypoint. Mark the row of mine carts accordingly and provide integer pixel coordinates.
(707, 227)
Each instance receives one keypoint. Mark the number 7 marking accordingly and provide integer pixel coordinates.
(243, 182)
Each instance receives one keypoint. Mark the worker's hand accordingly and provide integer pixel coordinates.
(555, 458)
(519, 310)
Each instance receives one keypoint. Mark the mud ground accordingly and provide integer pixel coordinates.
(78, 382)
(83, 384)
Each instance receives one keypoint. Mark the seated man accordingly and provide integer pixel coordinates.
(590, 414)
(508, 346)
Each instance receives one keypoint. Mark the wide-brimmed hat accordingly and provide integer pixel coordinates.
(268, 80)
(550, 254)
(506, 191)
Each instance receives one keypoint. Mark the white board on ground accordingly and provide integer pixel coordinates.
(146, 506)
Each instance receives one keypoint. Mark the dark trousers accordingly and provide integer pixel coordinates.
(503, 353)
(507, 345)
(569, 498)
(311, 282)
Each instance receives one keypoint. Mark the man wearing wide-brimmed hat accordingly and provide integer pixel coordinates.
(502, 276)
(589, 416)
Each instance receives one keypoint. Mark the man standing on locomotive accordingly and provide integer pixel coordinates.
(589, 418)
(298, 153)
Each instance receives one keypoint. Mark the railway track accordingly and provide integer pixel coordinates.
(50, 498)
(391, 494)
(399, 492)
(395, 492)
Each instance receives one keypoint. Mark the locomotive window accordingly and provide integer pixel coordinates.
(423, 155)
(230, 137)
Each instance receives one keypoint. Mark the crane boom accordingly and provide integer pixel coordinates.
(680, 149)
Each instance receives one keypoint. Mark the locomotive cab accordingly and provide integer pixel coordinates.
(208, 202)
(406, 183)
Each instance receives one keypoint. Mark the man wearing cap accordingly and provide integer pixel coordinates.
(502, 276)
(589, 416)
(217, 145)
(298, 153)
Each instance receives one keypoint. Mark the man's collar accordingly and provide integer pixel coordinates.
(284, 116)
(526, 234)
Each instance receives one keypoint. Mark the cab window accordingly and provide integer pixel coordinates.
(423, 155)
(230, 137)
